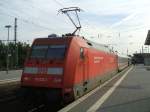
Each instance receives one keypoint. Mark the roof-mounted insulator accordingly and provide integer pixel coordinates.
(52, 36)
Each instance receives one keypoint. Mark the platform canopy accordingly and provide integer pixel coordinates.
(147, 41)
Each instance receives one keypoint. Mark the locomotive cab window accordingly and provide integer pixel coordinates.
(82, 53)
(39, 51)
(56, 51)
(48, 51)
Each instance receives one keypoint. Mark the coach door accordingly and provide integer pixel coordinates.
(84, 58)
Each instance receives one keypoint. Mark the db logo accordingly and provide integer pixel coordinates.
(42, 70)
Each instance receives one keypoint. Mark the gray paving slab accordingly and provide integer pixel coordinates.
(132, 95)
(11, 74)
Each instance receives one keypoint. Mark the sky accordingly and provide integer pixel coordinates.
(121, 24)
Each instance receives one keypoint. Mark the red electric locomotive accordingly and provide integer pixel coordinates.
(67, 67)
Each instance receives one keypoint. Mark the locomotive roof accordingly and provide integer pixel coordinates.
(98, 46)
(91, 44)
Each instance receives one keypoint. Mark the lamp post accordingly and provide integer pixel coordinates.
(7, 58)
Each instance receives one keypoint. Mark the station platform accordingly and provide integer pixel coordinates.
(11, 76)
(129, 91)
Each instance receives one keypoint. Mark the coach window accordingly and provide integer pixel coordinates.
(81, 53)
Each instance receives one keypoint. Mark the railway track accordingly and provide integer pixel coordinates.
(44, 108)
(6, 99)
(8, 91)
(11, 100)
(37, 108)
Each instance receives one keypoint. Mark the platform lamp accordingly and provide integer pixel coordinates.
(7, 58)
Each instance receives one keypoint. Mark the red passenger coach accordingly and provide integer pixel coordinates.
(65, 68)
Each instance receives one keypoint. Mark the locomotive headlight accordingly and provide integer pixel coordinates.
(26, 78)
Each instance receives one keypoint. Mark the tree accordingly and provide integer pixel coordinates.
(22, 52)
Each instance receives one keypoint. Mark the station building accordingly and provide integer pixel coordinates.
(143, 58)
(147, 56)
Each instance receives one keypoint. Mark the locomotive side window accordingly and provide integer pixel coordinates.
(39, 51)
(56, 51)
(81, 53)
